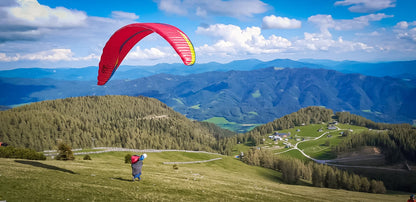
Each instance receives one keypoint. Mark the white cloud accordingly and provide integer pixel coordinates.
(5, 58)
(203, 8)
(30, 12)
(152, 53)
(366, 6)
(124, 15)
(49, 55)
(325, 22)
(404, 24)
(406, 30)
(273, 22)
(232, 40)
(172, 6)
(28, 20)
(374, 33)
(324, 42)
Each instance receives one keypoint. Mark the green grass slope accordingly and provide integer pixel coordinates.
(107, 178)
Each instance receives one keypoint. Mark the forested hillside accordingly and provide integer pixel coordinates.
(305, 116)
(396, 141)
(112, 121)
(244, 97)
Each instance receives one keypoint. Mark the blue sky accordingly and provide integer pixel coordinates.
(72, 33)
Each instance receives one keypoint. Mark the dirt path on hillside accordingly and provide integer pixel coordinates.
(53, 153)
(344, 159)
(191, 162)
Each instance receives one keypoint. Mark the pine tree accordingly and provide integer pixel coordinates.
(365, 185)
(64, 152)
(331, 178)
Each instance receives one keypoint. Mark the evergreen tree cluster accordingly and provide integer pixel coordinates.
(397, 144)
(321, 175)
(352, 119)
(20, 153)
(111, 121)
(332, 177)
(65, 152)
(305, 116)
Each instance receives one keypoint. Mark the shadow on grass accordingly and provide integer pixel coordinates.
(41, 165)
(326, 155)
(122, 179)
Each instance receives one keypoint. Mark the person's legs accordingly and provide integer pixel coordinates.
(137, 176)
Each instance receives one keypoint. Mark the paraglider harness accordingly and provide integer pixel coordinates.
(134, 159)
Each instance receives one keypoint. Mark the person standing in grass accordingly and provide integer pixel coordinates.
(136, 165)
(412, 198)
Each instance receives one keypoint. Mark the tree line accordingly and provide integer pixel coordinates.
(319, 175)
(397, 144)
(396, 141)
(305, 116)
(112, 121)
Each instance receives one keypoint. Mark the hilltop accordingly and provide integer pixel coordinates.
(115, 121)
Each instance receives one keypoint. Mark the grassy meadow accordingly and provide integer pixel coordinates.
(319, 148)
(233, 126)
(107, 178)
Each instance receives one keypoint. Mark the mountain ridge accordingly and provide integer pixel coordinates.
(398, 69)
(256, 96)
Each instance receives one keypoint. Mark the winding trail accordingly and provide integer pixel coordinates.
(332, 162)
(118, 149)
(303, 153)
(189, 162)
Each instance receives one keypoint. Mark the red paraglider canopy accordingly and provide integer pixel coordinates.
(124, 39)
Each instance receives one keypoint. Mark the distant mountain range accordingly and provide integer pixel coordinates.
(261, 93)
(400, 69)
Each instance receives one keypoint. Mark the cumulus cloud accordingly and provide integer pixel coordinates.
(49, 55)
(28, 20)
(172, 6)
(367, 6)
(326, 22)
(324, 42)
(404, 24)
(124, 15)
(152, 54)
(30, 12)
(273, 22)
(203, 8)
(406, 30)
(232, 40)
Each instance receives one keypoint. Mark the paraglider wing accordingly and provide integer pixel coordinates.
(124, 39)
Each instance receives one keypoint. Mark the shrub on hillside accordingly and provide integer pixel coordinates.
(65, 152)
(127, 158)
(20, 153)
(87, 157)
